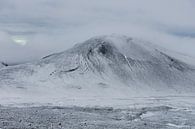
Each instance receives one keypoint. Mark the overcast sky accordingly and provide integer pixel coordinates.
(31, 29)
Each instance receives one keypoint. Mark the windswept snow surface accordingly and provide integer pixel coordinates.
(44, 117)
(103, 70)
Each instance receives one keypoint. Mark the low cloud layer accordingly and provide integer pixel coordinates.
(49, 26)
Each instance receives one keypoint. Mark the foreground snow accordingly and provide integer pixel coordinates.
(100, 113)
(161, 117)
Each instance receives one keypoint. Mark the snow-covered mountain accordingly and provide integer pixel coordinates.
(105, 66)
(2, 65)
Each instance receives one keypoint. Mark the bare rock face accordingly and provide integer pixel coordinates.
(114, 61)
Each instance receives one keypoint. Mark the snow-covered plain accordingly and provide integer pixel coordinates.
(105, 71)
(159, 117)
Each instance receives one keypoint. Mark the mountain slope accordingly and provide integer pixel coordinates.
(2, 65)
(105, 66)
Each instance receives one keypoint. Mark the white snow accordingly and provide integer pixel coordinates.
(178, 126)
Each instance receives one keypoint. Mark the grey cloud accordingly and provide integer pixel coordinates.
(52, 26)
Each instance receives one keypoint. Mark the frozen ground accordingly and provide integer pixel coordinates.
(176, 112)
(160, 117)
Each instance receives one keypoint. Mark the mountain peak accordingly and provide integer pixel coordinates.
(110, 62)
(2, 64)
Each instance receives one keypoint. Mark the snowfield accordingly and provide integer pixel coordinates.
(160, 117)
(143, 86)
